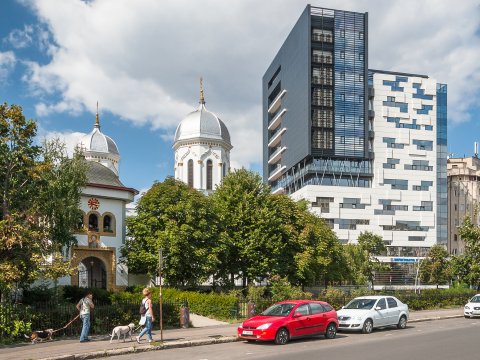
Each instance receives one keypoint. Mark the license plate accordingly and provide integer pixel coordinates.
(247, 332)
(342, 322)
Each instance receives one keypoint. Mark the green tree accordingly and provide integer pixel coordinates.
(356, 259)
(371, 245)
(321, 258)
(39, 199)
(180, 220)
(244, 227)
(434, 268)
(468, 264)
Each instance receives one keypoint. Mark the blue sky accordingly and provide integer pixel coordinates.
(142, 61)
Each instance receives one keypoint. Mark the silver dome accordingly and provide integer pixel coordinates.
(97, 141)
(202, 124)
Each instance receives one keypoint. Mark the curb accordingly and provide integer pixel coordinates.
(436, 318)
(185, 343)
(135, 350)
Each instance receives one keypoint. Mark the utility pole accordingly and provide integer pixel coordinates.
(160, 265)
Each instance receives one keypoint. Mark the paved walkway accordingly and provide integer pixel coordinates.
(210, 333)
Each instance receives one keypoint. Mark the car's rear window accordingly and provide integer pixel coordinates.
(279, 310)
(327, 307)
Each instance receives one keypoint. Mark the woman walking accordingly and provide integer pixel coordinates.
(149, 318)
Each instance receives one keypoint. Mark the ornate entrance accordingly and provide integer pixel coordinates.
(95, 268)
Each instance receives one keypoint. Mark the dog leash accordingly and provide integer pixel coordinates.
(68, 324)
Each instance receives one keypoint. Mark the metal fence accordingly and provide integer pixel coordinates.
(104, 317)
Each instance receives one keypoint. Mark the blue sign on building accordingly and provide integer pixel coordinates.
(408, 260)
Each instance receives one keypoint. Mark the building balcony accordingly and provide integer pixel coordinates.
(277, 155)
(276, 102)
(277, 191)
(277, 120)
(276, 137)
(322, 38)
(322, 101)
(277, 172)
(322, 80)
(319, 59)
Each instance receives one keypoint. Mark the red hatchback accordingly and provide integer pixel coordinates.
(291, 319)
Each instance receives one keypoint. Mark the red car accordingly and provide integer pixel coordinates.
(291, 319)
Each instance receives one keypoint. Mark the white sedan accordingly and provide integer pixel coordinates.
(473, 307)
(368, 312)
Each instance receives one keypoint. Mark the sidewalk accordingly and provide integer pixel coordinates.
(208, 334)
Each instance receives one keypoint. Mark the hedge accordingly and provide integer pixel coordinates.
(219, 306)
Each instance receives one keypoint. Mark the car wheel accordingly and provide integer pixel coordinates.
(282, 336)
(331, 331)
(466, 316)
(367, 326)
(402, 323)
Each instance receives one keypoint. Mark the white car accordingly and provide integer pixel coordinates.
(472, 308)
(368, 312)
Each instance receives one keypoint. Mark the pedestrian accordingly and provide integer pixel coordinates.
(147, 317)
(84, 306)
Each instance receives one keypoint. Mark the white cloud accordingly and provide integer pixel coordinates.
(7, 63)
(70, 138)
(143, 61)
(20, 39)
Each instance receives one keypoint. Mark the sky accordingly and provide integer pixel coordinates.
(142, 60)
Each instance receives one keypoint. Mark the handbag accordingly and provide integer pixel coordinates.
(143, 320)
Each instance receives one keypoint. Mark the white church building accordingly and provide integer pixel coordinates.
(101, 230)
(202, 149)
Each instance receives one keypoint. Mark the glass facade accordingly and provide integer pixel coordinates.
(350, 88)
(442, 203)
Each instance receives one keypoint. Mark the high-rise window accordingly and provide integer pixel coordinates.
(190, 173)
(209, 174)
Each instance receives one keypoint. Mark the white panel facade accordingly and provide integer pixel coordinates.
(401, 203)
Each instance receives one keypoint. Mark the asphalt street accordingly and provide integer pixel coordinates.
(440, 340)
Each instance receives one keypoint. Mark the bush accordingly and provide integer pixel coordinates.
(33, 295)
(73, 294)
(12, 324)
(335, 297)
(281, 290)
(219, 306)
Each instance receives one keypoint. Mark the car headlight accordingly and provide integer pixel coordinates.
(466, 307)
(264, 326)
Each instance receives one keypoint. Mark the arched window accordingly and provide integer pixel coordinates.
(190, 173)
(209, 174)
(93, 222)
(107, 223)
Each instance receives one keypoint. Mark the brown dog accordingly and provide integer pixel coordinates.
(40, 335)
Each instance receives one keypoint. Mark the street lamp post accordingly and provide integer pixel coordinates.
(160, 265)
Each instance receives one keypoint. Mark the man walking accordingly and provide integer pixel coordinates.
(84, 306)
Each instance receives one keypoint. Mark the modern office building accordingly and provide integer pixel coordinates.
(367, 148)
(463, 197)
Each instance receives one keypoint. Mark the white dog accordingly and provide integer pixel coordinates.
(122, 330)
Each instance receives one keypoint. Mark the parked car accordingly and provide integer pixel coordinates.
(291, 319)
(368, 312)
(472, 308)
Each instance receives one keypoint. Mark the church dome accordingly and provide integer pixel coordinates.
(97, 141)
(96, 146)
(202, 124)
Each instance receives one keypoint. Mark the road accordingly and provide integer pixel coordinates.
(440, 340)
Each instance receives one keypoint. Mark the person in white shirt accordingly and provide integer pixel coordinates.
(147, 303)
(84, 306)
